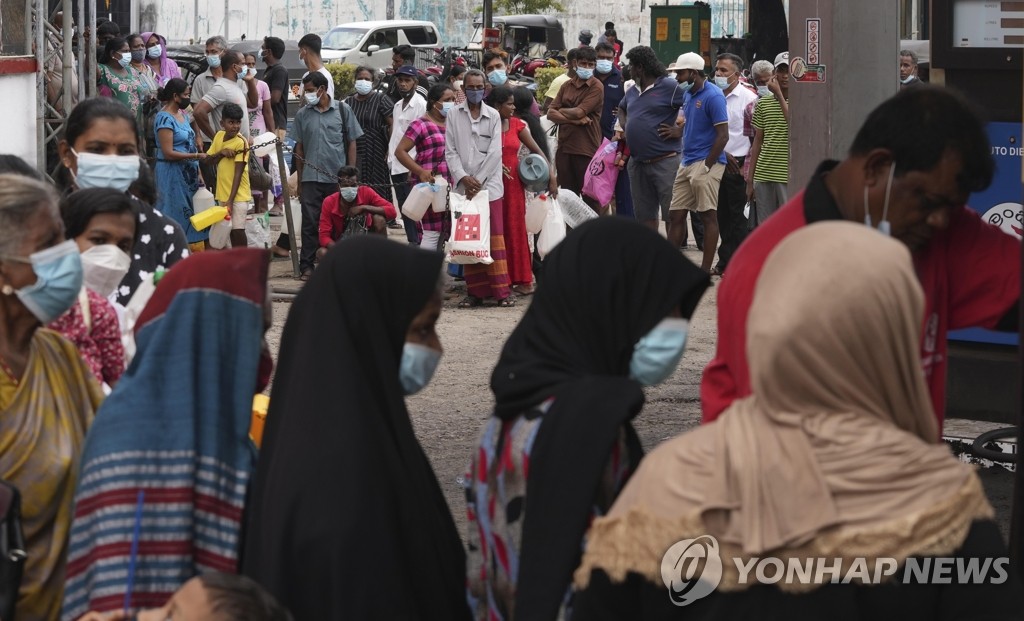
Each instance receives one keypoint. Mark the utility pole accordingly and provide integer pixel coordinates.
(488, 14)
(227, 14)
(839, 89)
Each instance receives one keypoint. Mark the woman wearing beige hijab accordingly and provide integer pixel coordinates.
(836, 456)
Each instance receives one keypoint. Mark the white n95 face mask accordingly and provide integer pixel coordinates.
(104, 267)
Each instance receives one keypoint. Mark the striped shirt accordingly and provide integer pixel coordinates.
(773, 160)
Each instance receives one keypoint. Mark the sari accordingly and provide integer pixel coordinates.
(42, 431)
(175, 435)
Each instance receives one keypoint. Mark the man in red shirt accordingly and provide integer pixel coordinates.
(909, 173)
(352, 210)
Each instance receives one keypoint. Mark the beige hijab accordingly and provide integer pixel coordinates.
(836, 453)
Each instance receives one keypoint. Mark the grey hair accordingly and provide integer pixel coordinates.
(734, 59)
(219, 41)
(21, 199)
(911, 54)
(477, 73)
(761, 67)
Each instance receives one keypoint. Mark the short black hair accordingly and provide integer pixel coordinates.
(490, 55)
(736, 60)
(457, 70)
(609, 26)
(919, 125)
(572, 54)
(407, 52)
(604, 47)
(89, 110)
(12, 164)
(312, 42)
(231, 57)
(318, 79)
(233, 596)
(107, 27)
(275, 46)
(362, 68)
(78, 208)
(611, 33)
(231, 111)
(349, 171)
(586, 53)
(644, 58)
(498, 96)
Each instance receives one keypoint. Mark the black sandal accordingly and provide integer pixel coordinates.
(508, 302)
(470, 301)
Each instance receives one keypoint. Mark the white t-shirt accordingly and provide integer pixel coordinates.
(403, 116)
(330, 81)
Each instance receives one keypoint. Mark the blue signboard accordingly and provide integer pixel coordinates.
(1000, 205)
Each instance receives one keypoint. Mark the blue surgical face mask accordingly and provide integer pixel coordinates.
(446, 107)
(349, 194)
(244, 72)
(312, 99)
(419, 363)
(722, 81)
(584, 73)
(657, 354)
(908, 79)
(126, 60)
(762, 91)
(117, 172)
(213, 61)
(884, 227)
(604, 65)
(363, 87)
(155, 51)
(497, 77)
(58, 281)
(475, 97)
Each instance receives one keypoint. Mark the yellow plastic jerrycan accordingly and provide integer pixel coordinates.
(208, 218)
(260, 405)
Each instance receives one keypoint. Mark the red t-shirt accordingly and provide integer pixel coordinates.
(332, 219)
(963, 288)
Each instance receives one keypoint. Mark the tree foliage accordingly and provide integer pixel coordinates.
(527, 7)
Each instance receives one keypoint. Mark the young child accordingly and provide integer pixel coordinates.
(230, 153)
(353, 209)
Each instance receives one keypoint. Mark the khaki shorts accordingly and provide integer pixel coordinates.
(238, 212)
(694, 190)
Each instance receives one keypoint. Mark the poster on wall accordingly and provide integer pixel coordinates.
(1000, 205)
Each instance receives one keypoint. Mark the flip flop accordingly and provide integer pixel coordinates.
(508, 302)
(470, 301)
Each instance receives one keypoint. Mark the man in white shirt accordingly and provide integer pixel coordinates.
(732, 193)
(309, 54)
(408, 108)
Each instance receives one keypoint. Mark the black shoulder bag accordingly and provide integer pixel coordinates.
(12, 549)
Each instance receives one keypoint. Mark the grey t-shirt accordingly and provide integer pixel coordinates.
(322, 136)
(226, 91)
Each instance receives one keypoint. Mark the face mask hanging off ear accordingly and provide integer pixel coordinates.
(884, 227)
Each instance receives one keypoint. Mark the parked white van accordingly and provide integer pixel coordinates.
(370, 43)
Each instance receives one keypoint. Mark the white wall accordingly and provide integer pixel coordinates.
(19, 114)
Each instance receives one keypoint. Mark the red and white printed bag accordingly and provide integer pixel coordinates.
(471, 230)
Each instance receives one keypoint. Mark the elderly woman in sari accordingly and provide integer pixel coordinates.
(48, 395)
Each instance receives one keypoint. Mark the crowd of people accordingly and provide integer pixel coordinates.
(129, 356)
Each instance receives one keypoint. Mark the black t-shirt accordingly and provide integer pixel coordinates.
(276, 78)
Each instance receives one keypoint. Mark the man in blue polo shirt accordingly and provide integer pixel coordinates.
(648, 118)
(705, 135)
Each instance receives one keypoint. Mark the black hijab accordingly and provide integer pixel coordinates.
(608, 284)
(346, 519)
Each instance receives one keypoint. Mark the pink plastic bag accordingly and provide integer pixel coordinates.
(602, 173)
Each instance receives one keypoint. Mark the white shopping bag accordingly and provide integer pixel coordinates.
(220, 235)
(440, 204)
(574, 211)
(554, 229)
(536, 211)
(420, 198)
(471, 230)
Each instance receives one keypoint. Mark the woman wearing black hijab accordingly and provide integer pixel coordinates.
(610, 316)
(346, 519)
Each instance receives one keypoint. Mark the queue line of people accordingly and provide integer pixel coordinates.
(787, 259)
